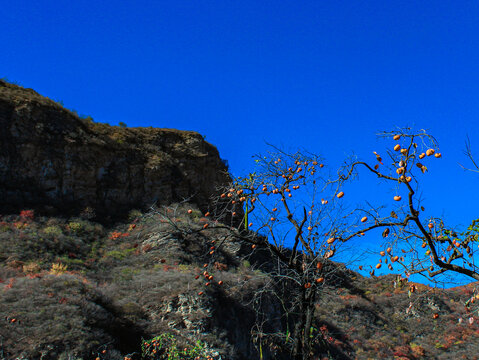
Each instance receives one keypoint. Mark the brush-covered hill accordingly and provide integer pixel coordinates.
(73, 286)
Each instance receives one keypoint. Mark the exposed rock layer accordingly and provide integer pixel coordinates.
(52, 159)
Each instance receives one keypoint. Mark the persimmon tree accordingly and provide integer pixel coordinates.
(287, 211)
(291, 216)
(290, 207)
(427, 245)
(419, 244)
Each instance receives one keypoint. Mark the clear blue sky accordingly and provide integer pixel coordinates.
(322, 75)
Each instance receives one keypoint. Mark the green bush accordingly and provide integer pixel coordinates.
(120, 254)
(53, 231)
(165, 347)
(75, 227)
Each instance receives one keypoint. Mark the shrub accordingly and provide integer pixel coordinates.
(27, 214)
(53, 231)
(88, 213)
(75, 227)
(31, 268)
(58, 268)
(166, 346)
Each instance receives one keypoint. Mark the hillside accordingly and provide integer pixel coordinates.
(56, 162)
(74, 286)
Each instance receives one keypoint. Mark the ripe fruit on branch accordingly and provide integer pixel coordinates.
(429, 152)
(364, 219)
(396, 137)
(422, 156)
(397, 198)
(400, 170)
(430, 225)
(320, 280)
(340, 195)
(378, 266)
(330, 240)
(397, 147)
(437, 155)
(378, 158)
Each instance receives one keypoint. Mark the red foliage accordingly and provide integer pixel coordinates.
(27, 214)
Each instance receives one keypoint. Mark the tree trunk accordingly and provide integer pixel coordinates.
(309, 312)
(302, 339)
(298, 329)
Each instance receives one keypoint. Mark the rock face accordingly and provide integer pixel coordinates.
(50, 159)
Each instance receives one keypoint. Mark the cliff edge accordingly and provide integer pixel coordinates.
(55, 162)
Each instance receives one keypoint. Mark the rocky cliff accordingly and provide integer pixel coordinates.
(50, 159)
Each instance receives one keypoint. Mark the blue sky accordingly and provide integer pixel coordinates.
(325, 76)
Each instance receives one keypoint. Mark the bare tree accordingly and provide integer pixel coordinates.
(294, 209)
(291, 218)
(288, 210)
(428, 246)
